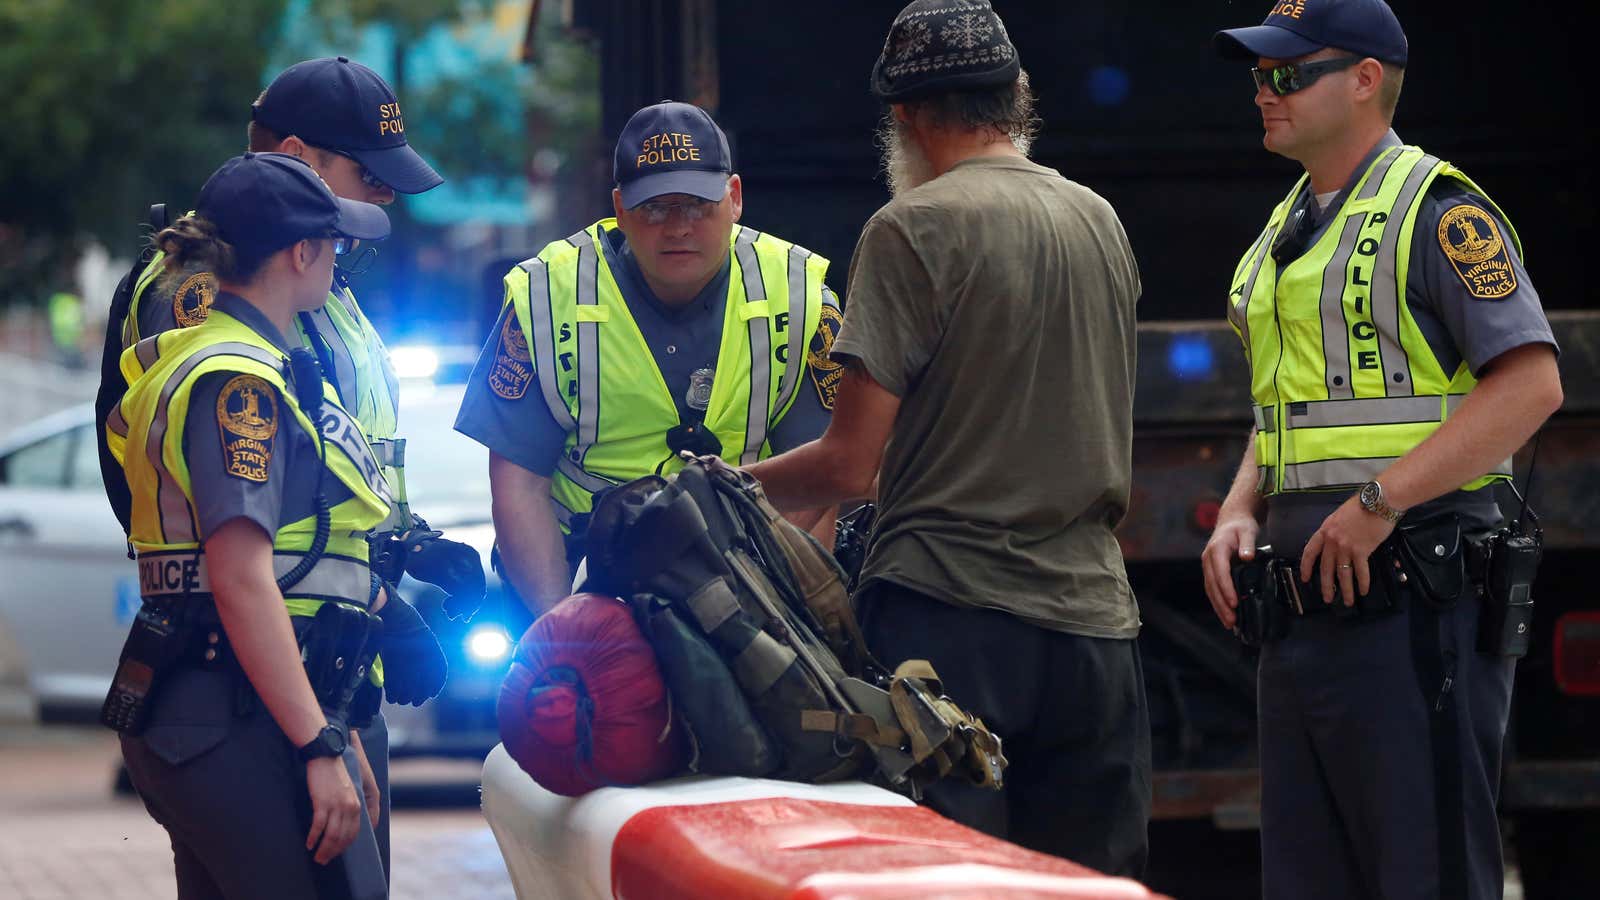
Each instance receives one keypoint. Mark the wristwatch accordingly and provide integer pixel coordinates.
(1372, 501)
(330, 741)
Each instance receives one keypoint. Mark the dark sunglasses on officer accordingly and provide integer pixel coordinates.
(1291, 77)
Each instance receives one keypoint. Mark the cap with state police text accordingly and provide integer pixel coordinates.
(1295, 28)
(263, 202)
(342, 105)
(671, 148)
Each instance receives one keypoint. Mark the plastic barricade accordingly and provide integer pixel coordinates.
(755, 839)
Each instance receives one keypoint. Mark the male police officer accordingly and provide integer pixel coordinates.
(989, 359)
(345, 121)
(1398, 356)
(667, 328)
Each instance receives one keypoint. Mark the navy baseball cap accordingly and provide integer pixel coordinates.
(1297, 27)
(343, 105)
(671, 148)
(263, 202)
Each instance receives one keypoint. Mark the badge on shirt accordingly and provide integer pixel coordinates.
(1472, 242)
(192, 303)
(513, 364)
(247, 417)
(826, 373)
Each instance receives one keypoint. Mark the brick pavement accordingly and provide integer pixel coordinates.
(63, 834)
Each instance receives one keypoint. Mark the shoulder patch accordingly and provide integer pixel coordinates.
(826, 372)
(513, 364)
(192, 301)
(247, 417)
(1471, 241)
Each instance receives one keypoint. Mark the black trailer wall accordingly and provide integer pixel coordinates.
(1135, 105)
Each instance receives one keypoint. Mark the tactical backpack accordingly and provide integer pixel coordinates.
(759, 646)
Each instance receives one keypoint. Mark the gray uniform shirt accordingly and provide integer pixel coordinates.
(681, 340)
(1457, 325)
(270, 492)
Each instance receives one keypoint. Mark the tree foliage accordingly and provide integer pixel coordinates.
(110, 106)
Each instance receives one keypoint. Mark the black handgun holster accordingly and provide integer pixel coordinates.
(338, 645)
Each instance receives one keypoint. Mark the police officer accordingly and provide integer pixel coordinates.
(667, 328)
(1398, 356)
(345, 121)
(250, 509)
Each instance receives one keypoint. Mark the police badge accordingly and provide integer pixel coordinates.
(247, 417)
(191, 303)
(513, 363)
(826, 373)
(698, 396)
(1469, 238)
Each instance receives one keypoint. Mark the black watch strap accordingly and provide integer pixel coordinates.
(330, 741)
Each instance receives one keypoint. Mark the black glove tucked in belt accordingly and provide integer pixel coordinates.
(414, 666)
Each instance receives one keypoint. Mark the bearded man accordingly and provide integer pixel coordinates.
(988, 353)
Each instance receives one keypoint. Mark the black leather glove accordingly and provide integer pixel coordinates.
(414, 666)
(453, 567)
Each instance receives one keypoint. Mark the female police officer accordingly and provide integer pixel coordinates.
(249, 501)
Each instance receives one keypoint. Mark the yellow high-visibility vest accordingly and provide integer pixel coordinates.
(575, 335)
(145, 434)
(1343, 381)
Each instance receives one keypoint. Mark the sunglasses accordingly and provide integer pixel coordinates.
(342, 243)
(1291, 77)
(656, 212)
(367, 178)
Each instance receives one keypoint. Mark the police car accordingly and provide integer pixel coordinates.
(69, 591)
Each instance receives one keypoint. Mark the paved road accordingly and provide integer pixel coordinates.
(63, 834)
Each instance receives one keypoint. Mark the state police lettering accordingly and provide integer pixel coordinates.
(668, 147)
(513, 363)
(1362, 330)
(1291, 9)
(338, 427)
(1472, 242)
(164, 575)
(247, 417)
(389, 119)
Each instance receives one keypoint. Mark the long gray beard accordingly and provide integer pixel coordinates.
(904, 163)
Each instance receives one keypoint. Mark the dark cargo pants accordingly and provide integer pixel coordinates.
(231, 794)
(1349, 807)
(1070, 710)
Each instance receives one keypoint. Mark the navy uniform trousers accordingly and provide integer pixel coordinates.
(231, 794)
(1353, 804)
(1070, 711)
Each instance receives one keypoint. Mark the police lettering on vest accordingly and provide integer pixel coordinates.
(1343, 380)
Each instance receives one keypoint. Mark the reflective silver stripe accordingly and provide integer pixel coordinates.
(389, 452)
(1264, 419)
(563, 515)
(345, 382)
(1263, 478)
(580, 477)
(544, 344)
(798, 337)
(1379, 171)
(1333, 473)
(341, 429)
(1385, 286)
(1367, 411)
(588, 352)
(147, 352)
(177, 523)
(117, 424)
(1452, 402)
(579, 239)
(1240, 312)
(167, 575)
(755, 291)
(1335, 330)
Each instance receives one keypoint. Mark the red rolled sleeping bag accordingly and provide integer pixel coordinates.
(584, 705)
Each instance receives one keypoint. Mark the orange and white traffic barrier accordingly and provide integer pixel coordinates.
(757, 839)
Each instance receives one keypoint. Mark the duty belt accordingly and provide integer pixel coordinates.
(184, 574)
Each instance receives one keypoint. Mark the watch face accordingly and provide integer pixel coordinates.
(1370, 494)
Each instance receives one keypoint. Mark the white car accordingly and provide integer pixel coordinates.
(68, 590)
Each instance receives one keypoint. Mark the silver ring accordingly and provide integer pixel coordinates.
(1345, 565)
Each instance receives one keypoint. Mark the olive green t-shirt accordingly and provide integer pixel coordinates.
(997, 302)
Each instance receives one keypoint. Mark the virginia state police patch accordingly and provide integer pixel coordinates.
(513, 364)
(247, 416)
(826, 373)
(192, 302)
(1472, 242)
